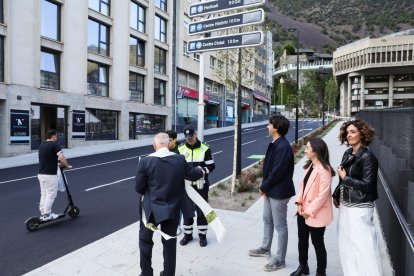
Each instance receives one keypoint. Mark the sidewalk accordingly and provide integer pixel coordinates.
(118, 253)
(32, 158)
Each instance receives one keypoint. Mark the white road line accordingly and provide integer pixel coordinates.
(13, 180)
(219, 139)
(261, 129)
(248, 142)
(109, 184)
(75, 169)
(217, 152)
(247, 129)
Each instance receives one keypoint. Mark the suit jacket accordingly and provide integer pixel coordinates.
(278, 169)
(160, 178)
(316, 199)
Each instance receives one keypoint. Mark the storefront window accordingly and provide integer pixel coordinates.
(145, 124)
(101, 124)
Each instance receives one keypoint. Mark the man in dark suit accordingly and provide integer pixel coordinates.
(276, 188)
(160, 179)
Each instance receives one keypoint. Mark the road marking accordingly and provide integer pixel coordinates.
(248, 142)
(247, 129)
(109, 184)
(13, 180)
(219, 139)
(80, 168)
(258, 157)
(261, 129)
(217, 152)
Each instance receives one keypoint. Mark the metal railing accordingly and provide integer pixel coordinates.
(303, 66)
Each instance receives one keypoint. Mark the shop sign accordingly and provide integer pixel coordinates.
(261, 98)
(78, 124)
(190, 93)
(19, 126)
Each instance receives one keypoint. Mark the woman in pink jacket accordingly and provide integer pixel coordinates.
(314, 205)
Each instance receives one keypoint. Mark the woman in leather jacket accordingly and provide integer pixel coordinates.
(354, 196)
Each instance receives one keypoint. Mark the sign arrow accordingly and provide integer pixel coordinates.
(221, 5)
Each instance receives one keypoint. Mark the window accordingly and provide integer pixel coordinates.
(160, 60)
(161, 4)
(196, 57)
(145, 124)
(98, 38)
(101, 124)
(1, 12)
(185, 49)
(136, 52)
(136, 87)
(1, 58)
(49, 70)
(215, 90)
(98, 79)
(50, 21)
(159, 92)
(137, 18)
(182, 78)
(212, 62)
(208, 89)
(220, 65)
(102, 6)
(160, 29)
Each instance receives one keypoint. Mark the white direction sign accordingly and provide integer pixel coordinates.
(225, 42)
(222, 5)
(227, 22)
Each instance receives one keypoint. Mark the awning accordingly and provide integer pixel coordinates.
(261, 98)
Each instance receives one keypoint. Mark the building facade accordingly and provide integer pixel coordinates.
(376, 73)
(96, 71)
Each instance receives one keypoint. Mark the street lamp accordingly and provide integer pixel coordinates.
(291, 30)
(282, 81)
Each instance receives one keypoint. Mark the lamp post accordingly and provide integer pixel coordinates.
(282, 81)
(296, 29)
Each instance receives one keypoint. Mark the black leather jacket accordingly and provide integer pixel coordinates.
(360, 182)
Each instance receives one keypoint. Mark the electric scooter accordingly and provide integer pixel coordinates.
(33, 223)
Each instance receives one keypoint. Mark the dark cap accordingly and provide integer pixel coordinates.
(189, 131)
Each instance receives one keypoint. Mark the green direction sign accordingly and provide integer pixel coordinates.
(225, 42)
(222, 5)
(227, 22)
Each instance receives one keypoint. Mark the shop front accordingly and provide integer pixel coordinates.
(213, 112)
(187, 107)
(260, 108)
(145, 125)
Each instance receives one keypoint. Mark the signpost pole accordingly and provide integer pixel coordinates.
(200, 118)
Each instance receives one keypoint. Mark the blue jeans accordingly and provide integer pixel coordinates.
(274, 217)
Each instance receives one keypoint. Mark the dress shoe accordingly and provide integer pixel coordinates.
(187, 238)
(162, 273)
(320, 274)
(302, 269)
(203, 240)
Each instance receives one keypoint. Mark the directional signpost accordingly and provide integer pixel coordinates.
(222, 5)
(225, 42)
(227, 22)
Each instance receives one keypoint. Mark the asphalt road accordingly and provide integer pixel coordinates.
(104, 208)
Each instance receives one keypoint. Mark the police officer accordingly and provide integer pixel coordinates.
(197, 154)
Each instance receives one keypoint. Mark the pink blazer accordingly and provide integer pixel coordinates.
(316, 199)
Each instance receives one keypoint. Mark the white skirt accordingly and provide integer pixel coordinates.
(358, 242)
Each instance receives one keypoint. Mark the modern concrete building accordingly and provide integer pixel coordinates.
(376, 72)
(220, 78)
(95, 71)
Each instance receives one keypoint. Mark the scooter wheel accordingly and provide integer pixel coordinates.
(32, 224)
(74, 212)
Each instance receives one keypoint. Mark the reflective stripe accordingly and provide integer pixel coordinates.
(209, 162)
(203, 232)
(188, 231)
(195, 155)
(207, 171)
(202, 227)
(188, 227)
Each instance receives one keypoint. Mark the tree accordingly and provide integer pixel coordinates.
(331, 93)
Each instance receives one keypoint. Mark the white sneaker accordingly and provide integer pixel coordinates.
(49, 216)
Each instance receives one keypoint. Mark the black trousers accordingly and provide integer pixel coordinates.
(316, 234)
(189, 213)
(145, 247)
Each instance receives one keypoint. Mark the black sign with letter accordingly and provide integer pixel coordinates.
(222, 5)
(19, 126)
(225, 42)
(78, 124)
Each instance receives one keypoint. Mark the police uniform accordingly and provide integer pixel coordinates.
(197, 155)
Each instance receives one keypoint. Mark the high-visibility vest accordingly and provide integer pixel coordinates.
(195, 155)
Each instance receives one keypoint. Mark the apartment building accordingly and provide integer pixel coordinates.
(376, 72)
(94, 70)
(220, 78)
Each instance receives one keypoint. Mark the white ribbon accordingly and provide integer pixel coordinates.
(212, 219)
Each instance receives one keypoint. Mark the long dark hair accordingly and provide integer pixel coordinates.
(322, 153)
